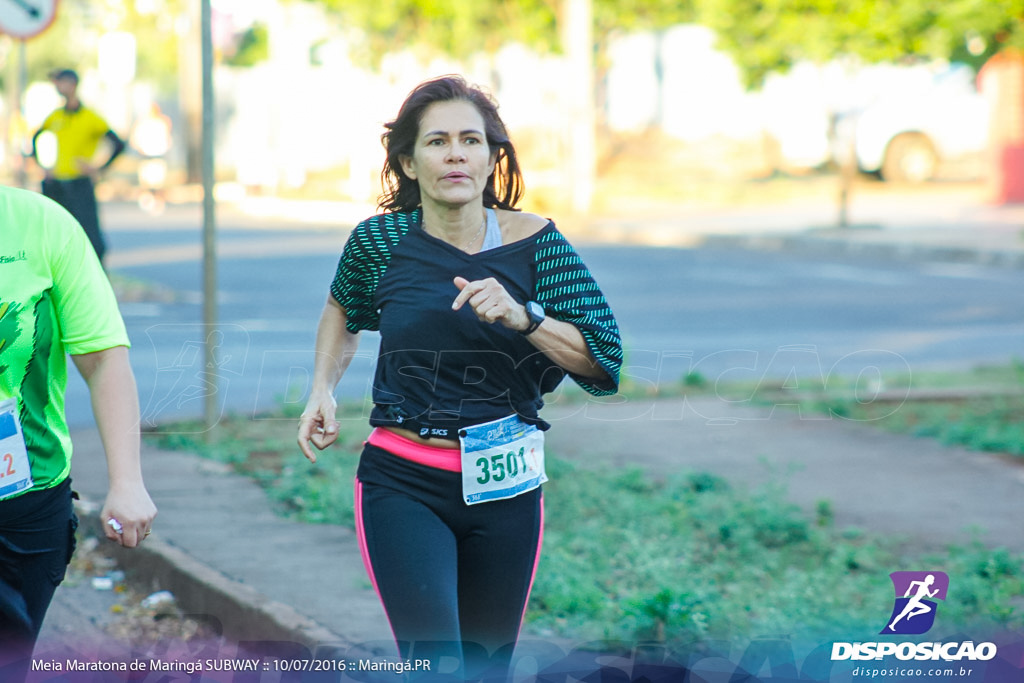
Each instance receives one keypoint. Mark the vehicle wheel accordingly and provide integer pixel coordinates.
(910, 158)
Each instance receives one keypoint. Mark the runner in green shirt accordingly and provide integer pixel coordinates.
(55, 300)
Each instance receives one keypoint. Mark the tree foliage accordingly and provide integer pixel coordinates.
(761, 35)
(618, 16)
(764, 36)
(251, 48)
(454, 27)
(460, 28)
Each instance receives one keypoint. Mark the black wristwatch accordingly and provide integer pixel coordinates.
(536, 313)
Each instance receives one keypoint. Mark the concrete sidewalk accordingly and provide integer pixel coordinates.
(954, 224)
(221, 550)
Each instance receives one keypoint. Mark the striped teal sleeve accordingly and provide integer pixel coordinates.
(569, 293)
(363, 261)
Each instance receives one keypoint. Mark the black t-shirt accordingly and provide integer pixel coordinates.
(439, 368)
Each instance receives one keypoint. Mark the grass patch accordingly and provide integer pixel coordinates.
(993, 424)
(982, 409)
(628, 556)
(689, 558)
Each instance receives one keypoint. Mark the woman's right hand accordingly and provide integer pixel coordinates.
(317, 424)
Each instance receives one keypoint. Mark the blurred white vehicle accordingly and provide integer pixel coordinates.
(909, 134)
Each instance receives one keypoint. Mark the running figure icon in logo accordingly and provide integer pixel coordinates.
(916, 588)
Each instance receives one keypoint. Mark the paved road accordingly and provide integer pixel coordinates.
(725, 313)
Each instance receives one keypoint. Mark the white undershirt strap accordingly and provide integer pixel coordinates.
(492, 238)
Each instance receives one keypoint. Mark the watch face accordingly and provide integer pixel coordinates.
(535, 310)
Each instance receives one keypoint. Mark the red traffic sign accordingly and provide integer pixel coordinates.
(26, 18)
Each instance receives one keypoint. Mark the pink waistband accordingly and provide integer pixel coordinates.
(449, 459)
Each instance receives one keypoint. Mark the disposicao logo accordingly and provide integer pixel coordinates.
(913, 613)
(916, 593)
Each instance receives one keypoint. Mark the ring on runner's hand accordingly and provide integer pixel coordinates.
(115, 525)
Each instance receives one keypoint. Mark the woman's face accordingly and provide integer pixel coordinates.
(451, 160)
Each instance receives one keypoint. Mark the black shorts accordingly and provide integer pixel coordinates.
(37, 539)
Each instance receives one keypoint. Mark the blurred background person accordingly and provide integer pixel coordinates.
(151, 140)
(71, 181)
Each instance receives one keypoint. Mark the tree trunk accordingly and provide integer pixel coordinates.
(578, 41)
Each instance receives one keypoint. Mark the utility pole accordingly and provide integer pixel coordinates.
(210, 401)
(21, 21)
(190, 69)
(21, 175)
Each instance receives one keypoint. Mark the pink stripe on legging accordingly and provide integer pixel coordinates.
(361, 534)
(536, 561)
(449, 459)
(363, 550)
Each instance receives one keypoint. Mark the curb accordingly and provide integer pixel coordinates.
(894, 250)
(242, 613)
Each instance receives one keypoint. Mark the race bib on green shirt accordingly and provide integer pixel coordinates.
(15, 474)
(501, 459)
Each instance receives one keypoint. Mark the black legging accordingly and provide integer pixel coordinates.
(78, 196)
(454, 579)
(37, 535)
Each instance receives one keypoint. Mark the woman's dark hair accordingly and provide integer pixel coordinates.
(504, 186)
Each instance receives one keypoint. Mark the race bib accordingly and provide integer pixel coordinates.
(501, 459)
(15, 475)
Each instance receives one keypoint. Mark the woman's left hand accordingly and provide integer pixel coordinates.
(491, 303)
(132, 511)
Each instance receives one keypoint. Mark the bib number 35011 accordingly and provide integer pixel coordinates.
(15, 475)
(501, 459)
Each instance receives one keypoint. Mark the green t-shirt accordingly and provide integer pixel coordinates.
(55, 299)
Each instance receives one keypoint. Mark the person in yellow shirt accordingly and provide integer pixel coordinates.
(79, 131)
